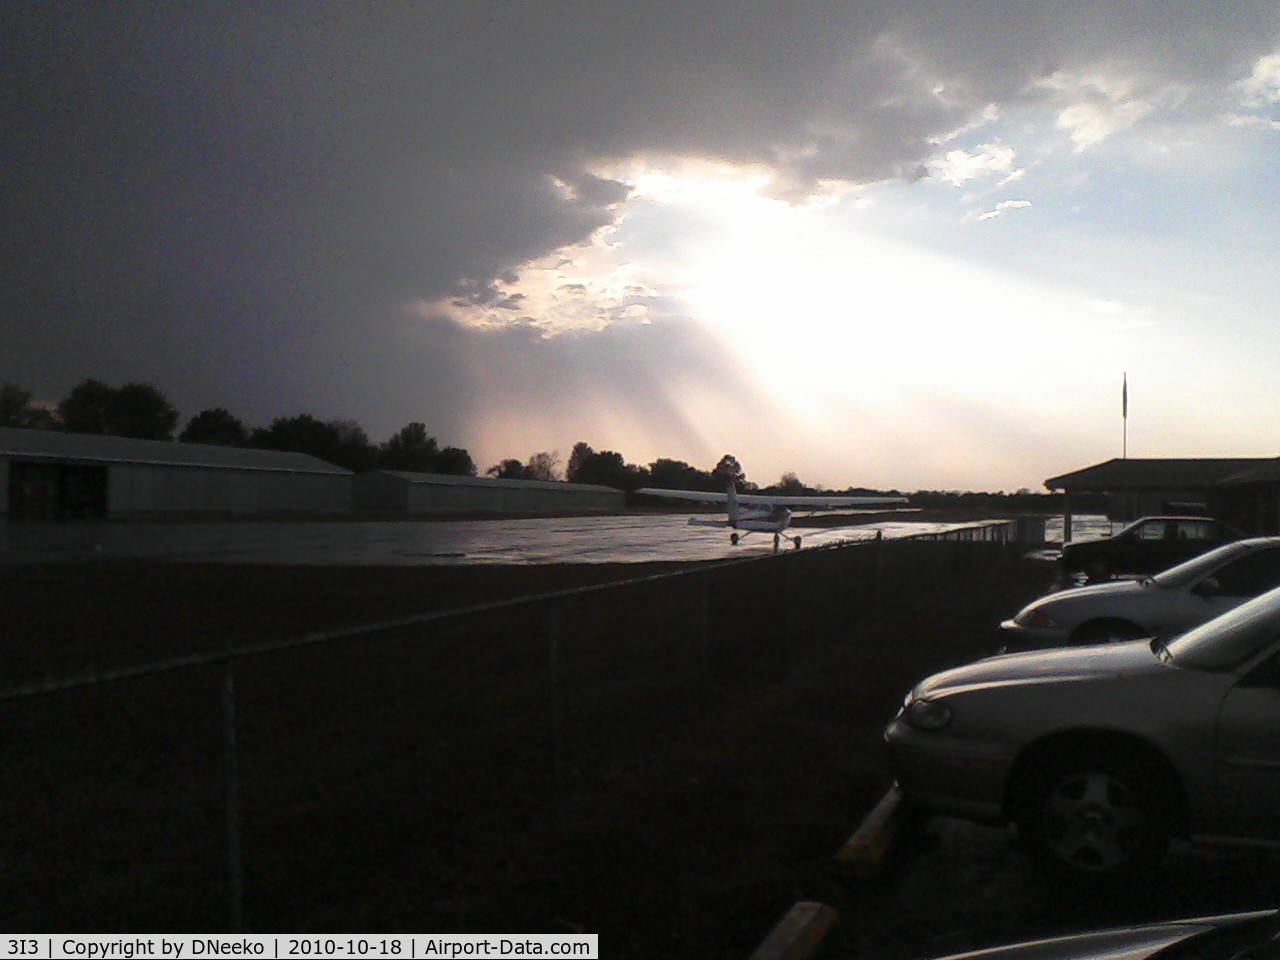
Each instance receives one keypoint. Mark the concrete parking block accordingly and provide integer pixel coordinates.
(864, 854)
(798, 934)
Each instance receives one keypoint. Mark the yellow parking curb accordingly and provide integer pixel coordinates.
(864, 854)
(798, 934)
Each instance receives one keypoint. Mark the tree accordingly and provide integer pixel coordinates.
(14, 402)
(678, 475)
(729, 471)
(607, 468)
(581, 453)
(352, 448)
(141, 411)
(135, 410)
(455, 462)
(509, 469)
(215, 426)
(340, 442)
(17, 410)
(411, 449)
(84, 409)
(789, 485)
(299, 434)
(543, 466)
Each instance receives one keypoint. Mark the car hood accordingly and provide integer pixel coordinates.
(1094, 592)
(1045, 666)
(1140, 941)
(1119, 594)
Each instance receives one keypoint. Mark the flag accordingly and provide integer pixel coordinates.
(1124, 398)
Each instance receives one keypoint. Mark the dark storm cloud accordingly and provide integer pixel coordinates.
(234, 201)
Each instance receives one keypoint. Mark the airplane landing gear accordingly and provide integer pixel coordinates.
(796, 541)
(733, 539)
(776, 541)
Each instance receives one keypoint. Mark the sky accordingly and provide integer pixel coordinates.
(907, 245)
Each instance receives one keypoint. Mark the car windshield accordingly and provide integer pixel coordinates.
(1195, 568)
(1231, 639)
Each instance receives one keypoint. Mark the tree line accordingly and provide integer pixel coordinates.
(141, 411)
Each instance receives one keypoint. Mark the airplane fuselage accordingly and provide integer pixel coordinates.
(752, 513)
(773, 520)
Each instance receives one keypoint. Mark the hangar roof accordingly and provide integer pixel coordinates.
(453, 480)
(1125, 474)
(55, 445)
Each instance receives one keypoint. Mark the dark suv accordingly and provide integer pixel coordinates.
(1146, 546)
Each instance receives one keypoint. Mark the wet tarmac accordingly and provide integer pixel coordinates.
(631, 538)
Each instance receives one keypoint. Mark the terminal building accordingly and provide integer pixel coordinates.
(51, 475)
(1243, 491)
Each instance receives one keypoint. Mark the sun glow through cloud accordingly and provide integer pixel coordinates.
(836, 325)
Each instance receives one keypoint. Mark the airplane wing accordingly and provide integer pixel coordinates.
(812, 502)
(817, 501)
(697, 496)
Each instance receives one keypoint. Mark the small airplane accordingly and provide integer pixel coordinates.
(752, 513)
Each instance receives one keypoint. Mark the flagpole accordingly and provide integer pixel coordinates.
(1124, 412)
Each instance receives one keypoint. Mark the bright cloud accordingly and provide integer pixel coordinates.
(958, 167)
(1262, 87)
(1002, 207)
(1098, 106)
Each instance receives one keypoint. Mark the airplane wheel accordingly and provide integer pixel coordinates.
(733, 539)
(797, 542)
(776, 540)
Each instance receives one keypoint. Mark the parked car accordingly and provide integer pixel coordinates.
(1101, 754)
(1166, 604)
(1227, 937)
(1145, 546)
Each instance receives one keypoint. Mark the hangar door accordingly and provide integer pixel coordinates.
(50, 491)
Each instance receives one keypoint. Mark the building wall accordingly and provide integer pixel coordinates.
(1129, 505)
(1253, 508)
(418, 494)
(379, 492)
(517, 498)
(134, 489)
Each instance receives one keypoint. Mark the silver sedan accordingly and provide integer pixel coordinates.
(1163, 605)
(1102, 754)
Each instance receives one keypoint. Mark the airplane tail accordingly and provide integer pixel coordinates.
(731, 495)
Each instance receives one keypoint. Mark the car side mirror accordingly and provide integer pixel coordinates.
(1208, 587)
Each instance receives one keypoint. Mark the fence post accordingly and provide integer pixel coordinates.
(704, 636)
(231, 758)
(878, 574)
(556, 707)
(789, 614)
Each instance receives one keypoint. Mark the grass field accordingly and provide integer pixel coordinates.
(694, 786)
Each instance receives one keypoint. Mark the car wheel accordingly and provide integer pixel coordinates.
(1094, 816)
(1106, 631)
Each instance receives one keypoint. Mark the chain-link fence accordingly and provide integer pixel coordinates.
(257, 787)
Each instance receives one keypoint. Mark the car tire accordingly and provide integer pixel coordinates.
(1094, 816)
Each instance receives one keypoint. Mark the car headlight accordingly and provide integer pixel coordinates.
(1035, 620)
(927, 714)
